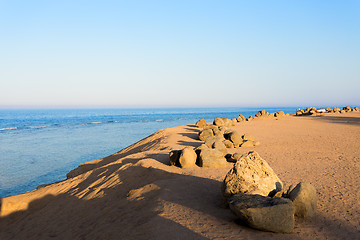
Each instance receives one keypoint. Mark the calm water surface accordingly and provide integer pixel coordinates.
(41, 146)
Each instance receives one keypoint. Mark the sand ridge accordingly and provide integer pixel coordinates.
(135, 194)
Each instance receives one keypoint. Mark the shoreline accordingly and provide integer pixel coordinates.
(321, 149)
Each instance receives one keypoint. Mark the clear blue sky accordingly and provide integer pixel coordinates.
(179, 53)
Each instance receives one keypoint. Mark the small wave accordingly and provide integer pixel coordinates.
(6, 129)
(159, 120)
(95, 122)
(39, 126)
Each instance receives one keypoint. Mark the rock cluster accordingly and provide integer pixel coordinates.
(203, 156)
(313, 110)
(255, 194)
(230, 138)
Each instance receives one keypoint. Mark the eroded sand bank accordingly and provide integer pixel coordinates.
(135, 194)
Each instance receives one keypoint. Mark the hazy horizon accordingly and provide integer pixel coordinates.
(156, 54)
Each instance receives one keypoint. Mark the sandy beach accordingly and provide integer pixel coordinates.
(136, 194)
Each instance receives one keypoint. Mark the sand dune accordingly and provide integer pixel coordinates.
(135, 194)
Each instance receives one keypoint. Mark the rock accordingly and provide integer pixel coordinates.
(272, 115)
(342, 111)
(329, 110)
(247, 137)
(204, 134)
(279, 114)
(249, 119)
(235, 138)
(210, 126)
(304, 199)
(187, 157)
(250, 143)
(312, 112)
(210, 141)
(217, 132)
(264, 213)
(174, 157)
(287, 114)
(228, 144)
(237, 156)
(234, 121)
(347, 109)
(336, 109)
(241, 118)
(252, 175)
(299, 113)
(218, 122)
(201, 123)
(219, 145)
(356, 109)
(227, 122)
(212, 158)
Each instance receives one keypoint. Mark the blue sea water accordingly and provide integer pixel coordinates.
(41, 146)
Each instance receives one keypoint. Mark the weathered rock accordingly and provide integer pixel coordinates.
(342, 111)
(336, 109)
(217, 132)
(287, 114)
(250, 143)
(212, 158)
(228, 144)
(299, 113)
(210, 141)
(237, 156)
(201, 123)
(234, 121)
(210, 126)
(356, 109)
(219, 145)
(252, 175)
(347, 109)
(304, 199)
(187, 157)
(247, 137)
(279, 114)
(174, 157)
(227, 122)
(241, 118)
(249, 119)
(235, 138)
(329, 110)
(272, 115)
(218, 122)
(205, 134)
(264, 213)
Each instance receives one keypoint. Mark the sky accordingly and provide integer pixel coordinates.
(61, 54)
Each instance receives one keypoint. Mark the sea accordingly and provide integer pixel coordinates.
(42, 146)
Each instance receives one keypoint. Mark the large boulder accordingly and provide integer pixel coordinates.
(201, 123)
(252, 175)
(264, 213)
(304, 199)
(204, 134)
(211, 158)
(187, 157)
